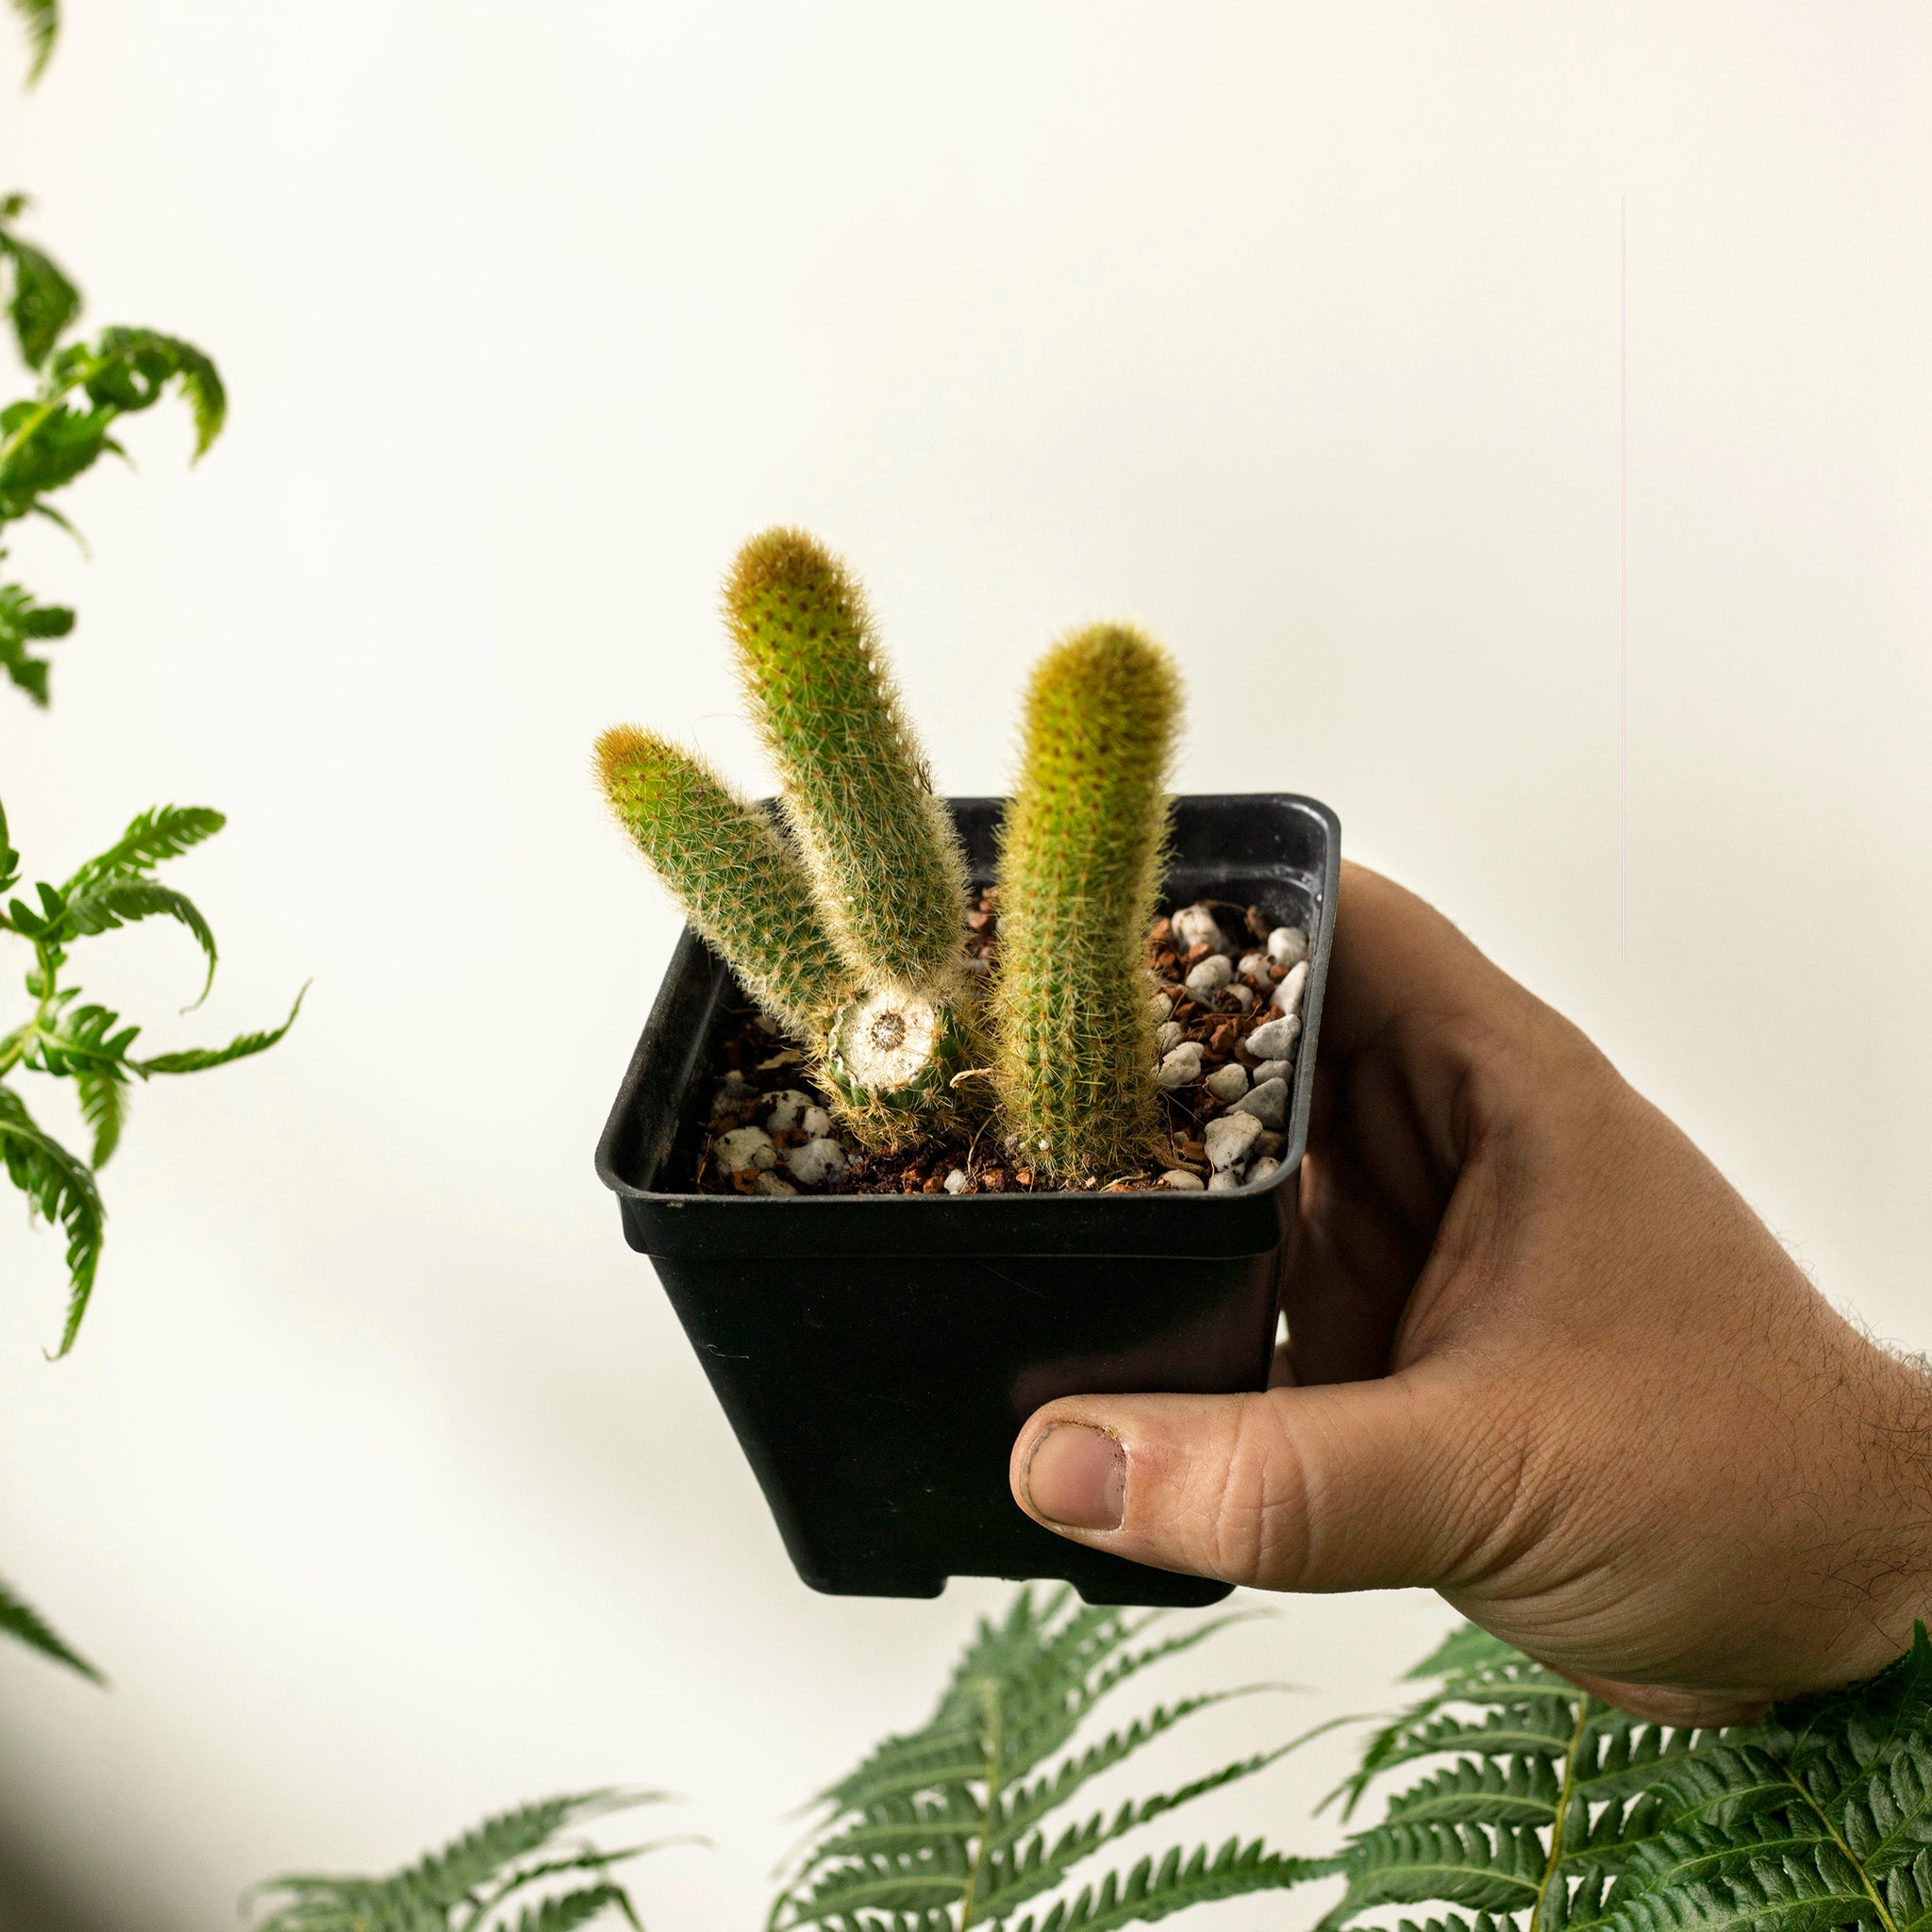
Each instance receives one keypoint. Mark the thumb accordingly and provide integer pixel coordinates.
(1350, 1486)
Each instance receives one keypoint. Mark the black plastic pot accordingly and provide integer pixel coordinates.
(878, 1354)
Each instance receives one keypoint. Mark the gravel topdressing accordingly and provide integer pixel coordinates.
(1226, 985)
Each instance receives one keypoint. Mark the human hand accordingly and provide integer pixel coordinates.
(1541, 1358)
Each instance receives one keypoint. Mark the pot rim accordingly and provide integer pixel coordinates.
(691, 954)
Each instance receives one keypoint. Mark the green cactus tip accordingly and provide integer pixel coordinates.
(855, 786)
(1082, 854)
(731, 871)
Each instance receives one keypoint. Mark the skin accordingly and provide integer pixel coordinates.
(1544, 1359)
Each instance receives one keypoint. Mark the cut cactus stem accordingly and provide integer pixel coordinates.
(896, 1061)
(885, 1044)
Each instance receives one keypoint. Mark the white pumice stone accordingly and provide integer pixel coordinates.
(956, 1181)
(770, 1184)
(1210, 975)
(815, 1123)
(1253, 962)
(1181, 1065)
(1196, 925)
(1168, 1036)
(1288, 995)
(788, 1108)
(1264, 1168)
(1267, 1103)
(1272, 1070)
(1226, 1182)
(813, 1161)
(1274, 1039)
(746, 1150)
(1228, 1083)
(1160, 1007)
(1287, 945)
(1181, 1180)
(1243, 997)
(733, 1090)
(1229, 1139)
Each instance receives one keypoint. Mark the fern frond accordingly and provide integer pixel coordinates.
(128, 370)
(63, 1189)
(1492, 1868)
(44, 302)
(465, 1886)
(951, 1825)
(42, 19)
(1559, 1814)
(1151, 1891)
(161, 832)
(23, 625)
(103, 1096)
(20, 1619)
(570, 1910)
(1013, 1878)
(198, 1059)
(117, 901)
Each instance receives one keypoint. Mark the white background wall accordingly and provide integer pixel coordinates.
(382, 1482)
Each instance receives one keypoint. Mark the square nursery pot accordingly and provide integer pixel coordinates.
(878, 1354)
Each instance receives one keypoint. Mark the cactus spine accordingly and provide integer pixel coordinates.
(856, 790)
(1082, 853)
(739, 882)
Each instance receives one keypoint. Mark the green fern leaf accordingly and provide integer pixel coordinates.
(948, 1827)
(44, 302)
(198, 1059)
(21, 1619)
(121, 901)
(1555, 1813)
(42, 19)
(1153, 1892)
(465, 1886)
(103, 1107)
(63, 1189)
(448, 1877)
(80, 1040)
(23, 625)
(129, 370)
(162, 832)
(570, 1910)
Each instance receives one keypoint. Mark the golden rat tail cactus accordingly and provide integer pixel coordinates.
(890, 877)
(738, 881)
(850, 932)
(1082, 853)
(856, 790)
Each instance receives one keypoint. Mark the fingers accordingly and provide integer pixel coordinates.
(1681, 1709)
(1395, 956)
(1353, 1486)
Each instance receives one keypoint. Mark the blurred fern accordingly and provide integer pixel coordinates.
(68, 1038)
(42, 20)
(51, 438)
(1541, 1810)
(953, 1824)
(1545, 1810)
(470, 1884)
(22, 1620)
